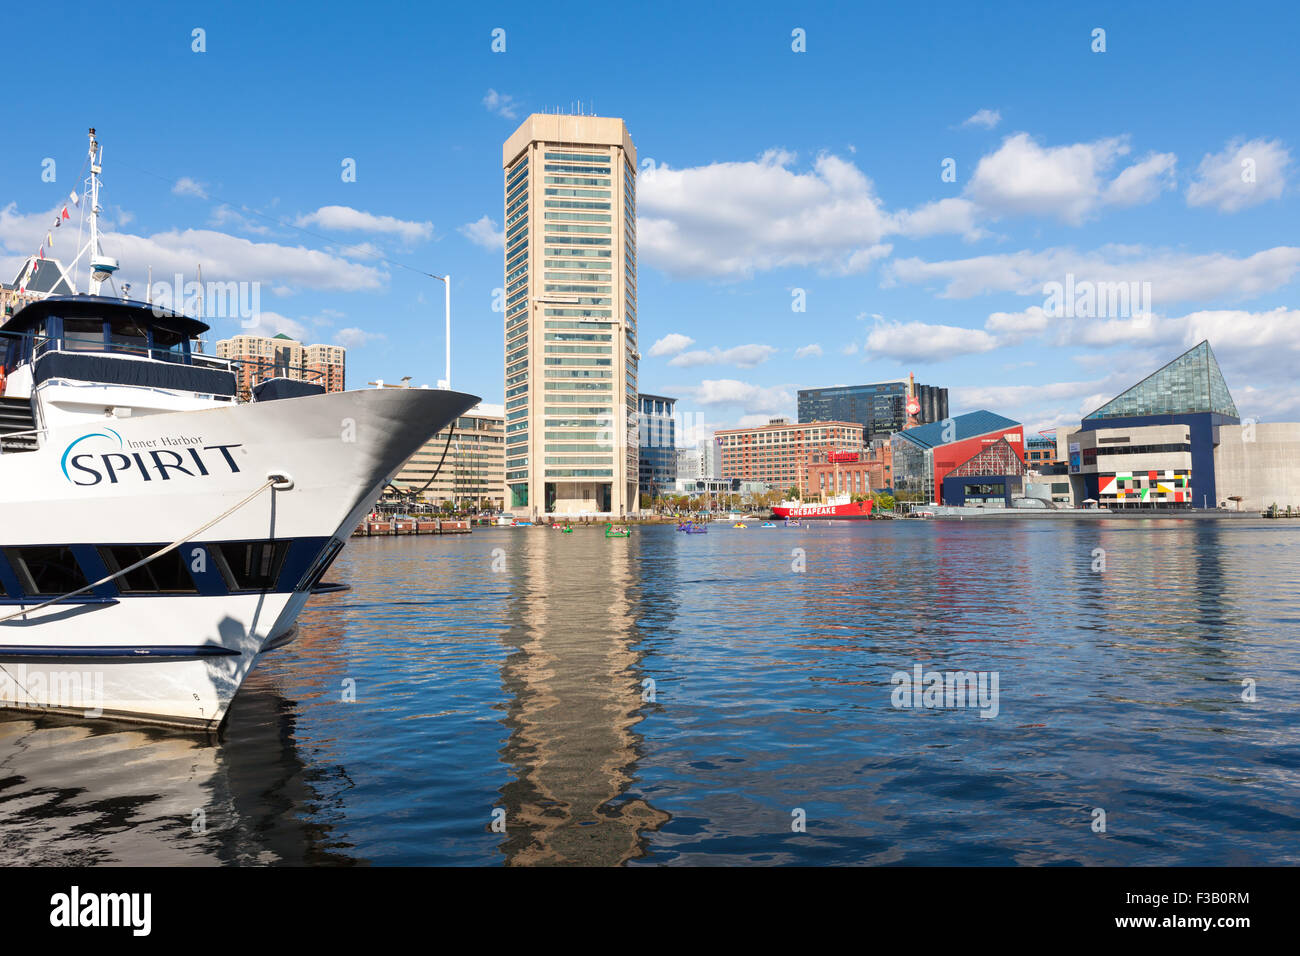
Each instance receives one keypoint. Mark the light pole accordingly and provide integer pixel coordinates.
(446, 281)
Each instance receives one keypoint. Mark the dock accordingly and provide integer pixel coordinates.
(391, 526)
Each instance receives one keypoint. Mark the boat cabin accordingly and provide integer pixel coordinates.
(107, 341)
(68, 358)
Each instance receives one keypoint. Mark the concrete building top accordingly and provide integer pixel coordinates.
(564, 128)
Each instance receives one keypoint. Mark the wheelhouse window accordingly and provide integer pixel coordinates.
(163, 575)
(46, 571)
(83, 335)
(128, 335)
(169, 346)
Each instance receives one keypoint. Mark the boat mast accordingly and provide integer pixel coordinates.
(102, 267)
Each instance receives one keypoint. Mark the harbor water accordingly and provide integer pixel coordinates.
(519, 696)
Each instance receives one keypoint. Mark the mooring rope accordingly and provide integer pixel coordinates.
(272, 480)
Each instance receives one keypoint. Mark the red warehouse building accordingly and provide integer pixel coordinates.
(923, 456)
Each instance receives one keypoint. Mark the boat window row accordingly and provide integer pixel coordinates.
(230, 567)
(125, 334)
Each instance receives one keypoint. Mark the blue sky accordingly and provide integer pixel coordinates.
(773, 171)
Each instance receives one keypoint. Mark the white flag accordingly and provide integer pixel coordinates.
(76, 200)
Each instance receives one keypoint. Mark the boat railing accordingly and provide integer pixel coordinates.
(256, 370)
(24, 445)
(262, 371)
(47, 344)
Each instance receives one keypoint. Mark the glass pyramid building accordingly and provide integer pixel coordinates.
(1190, 383)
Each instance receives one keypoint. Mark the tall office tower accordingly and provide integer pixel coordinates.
(570, 323)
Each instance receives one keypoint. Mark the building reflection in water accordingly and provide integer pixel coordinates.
(574, 697)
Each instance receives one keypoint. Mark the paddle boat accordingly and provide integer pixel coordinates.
(617, 531)
(691, 527)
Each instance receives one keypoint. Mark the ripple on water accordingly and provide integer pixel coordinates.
(691, 699)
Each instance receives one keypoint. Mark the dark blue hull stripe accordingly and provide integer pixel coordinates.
(137, 653)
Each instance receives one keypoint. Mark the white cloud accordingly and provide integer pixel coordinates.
(951, 216)
(753, 399)
(225, 258)
(745, 356)
(355, 338)
(1067, 182)
(189, 187)
(1013, 326)
(1022, 397)
(483, 232)
(347, 219)
(1174, 276)
(225, 216)
(671, 344)
(1143, 181)
(986, 119)
(808, 351)
(264, 323)
(731, 219)
(850, 349)
(920, 341)
(1244, 174)
(501, 104)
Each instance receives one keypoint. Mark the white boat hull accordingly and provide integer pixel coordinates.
(180, 658)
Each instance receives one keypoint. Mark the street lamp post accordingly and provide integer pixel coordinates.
(446, 281)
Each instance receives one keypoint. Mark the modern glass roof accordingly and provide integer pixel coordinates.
(958, 428)
(1190, 383)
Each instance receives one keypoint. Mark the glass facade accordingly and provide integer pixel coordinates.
(657, 433)
(880, 408)
(997, 459)
(913, 470)
(1190, 383)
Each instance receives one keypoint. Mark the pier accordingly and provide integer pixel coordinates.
(392, 526)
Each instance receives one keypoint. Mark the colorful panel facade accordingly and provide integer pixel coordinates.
(1142, 487)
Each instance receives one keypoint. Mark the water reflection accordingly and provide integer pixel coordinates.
(101, 793)
(574, 697)
(520, 689)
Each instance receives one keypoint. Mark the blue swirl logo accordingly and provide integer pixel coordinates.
(67, 452)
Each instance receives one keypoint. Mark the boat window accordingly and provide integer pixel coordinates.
(168, 346)
(323, 562)
(128, 335)
(251, 565)
(83, 335)
(46, 570)
(13, 351)
(163, 575)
